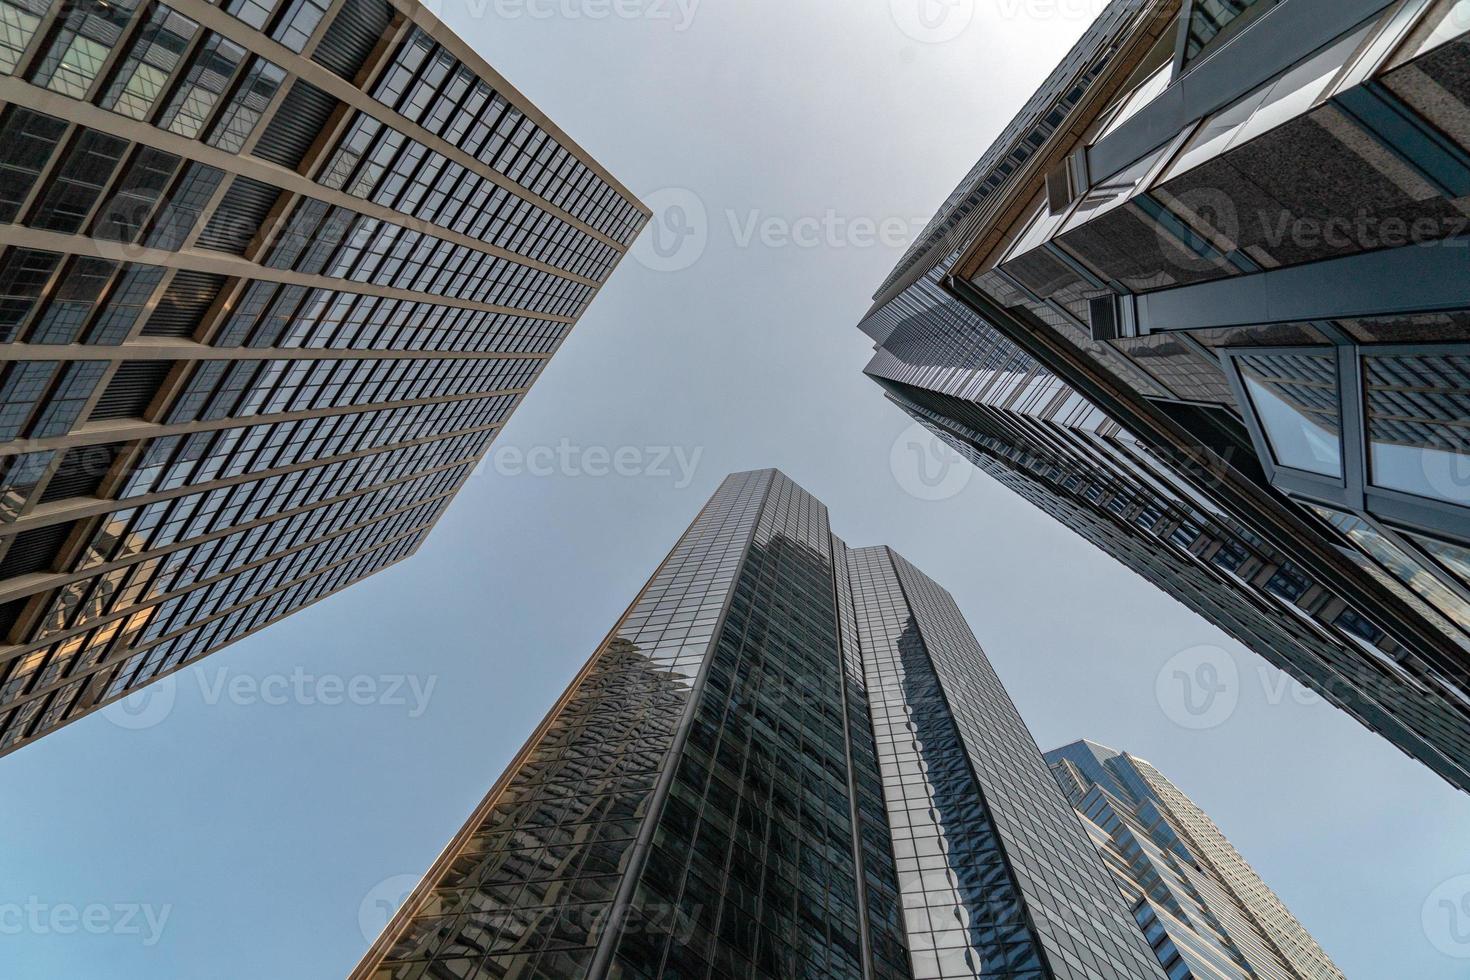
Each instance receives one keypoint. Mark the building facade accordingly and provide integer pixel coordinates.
(274, 274)
(1172, 307)
(788, 759)
(1202, 906)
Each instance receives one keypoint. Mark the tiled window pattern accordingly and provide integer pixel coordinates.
(18, 22)
(1128, 503)
(272, 314)
(375, 162)
(429, 86)
(148, 62)
(172, 462)
(290, 21)
(963, 911)
(754, 846)
(234, 389)
(530, 890)
(1082, 924)
(40, 399)
(87, 687)
(886, 938)
(89, 30)
(321, 240)
(156, 53)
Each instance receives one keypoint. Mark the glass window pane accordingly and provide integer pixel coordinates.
(1298, 403)
(1419, 425)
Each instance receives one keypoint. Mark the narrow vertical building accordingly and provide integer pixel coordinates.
(1183, 304)
(273, 274)
(789, 759)
(1202, 907)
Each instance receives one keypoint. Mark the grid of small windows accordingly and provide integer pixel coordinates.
(81, 661)
(1134, 506)
(270, 314)
(426, 84)
(38, 715)
(291, 22)
(236, 389)
(375, 162)
(963, 911)
(886, 939)
(172, 462)
(19, 20)
(134, 583)
(531, 890)
(322, 240)
(754, 846)
(40, 399)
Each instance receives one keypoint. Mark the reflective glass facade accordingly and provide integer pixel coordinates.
(274, 274)
(759, 774)
(1203, 909)
(1174, 307)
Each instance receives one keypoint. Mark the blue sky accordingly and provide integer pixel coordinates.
(259, 815)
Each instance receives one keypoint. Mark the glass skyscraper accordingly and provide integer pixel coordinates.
(1204, 302)
(788, 759)
(1204, 910)
(274, 273)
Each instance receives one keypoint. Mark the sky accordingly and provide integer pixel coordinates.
(258, 815)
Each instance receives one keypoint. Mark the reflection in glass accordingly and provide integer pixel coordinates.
(1299, 407)
(1419, 425)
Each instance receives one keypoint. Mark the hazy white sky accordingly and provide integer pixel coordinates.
(263, 825)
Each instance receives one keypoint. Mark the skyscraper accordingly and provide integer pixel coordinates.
(788, 759)
(1203, 908)
(1131, 312)
(274, 274)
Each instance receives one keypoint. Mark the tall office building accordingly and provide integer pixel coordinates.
(273, 275)
(788, 759)
(1205, 911)
(1176, 306)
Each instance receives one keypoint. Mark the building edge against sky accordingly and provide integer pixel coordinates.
(788, 758)
(1201, 905)
(275, 274)
(1269, 430)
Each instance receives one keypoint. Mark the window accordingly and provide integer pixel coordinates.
(1297, 402)
(18, 22)
(1419, 440)
(89, 32)
(139, 84)
(195, 98)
